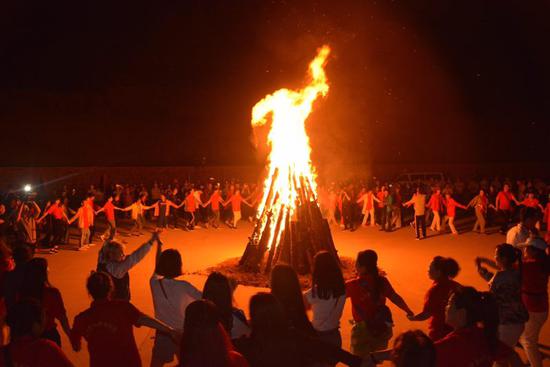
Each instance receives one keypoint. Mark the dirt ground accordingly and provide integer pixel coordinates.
(404, 259)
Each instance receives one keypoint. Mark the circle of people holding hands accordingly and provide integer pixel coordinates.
(467, 327)
(384, 206)
(207, 206)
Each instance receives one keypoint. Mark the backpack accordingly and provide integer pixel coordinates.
(382, 319)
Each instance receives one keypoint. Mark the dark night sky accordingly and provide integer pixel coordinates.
(170, 82)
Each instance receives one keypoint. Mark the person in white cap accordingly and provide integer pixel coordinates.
(535, 269)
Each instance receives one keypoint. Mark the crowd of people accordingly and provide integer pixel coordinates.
(203, 328)
(43, 219)
(386, 205)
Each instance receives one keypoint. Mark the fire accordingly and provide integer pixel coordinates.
(290, 169)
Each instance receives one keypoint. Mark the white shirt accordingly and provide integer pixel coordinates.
(516, 235)
(170, 308)
(326, 312)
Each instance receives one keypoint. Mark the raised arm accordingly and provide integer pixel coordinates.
(38, 210)
(19, 212)
(119, 269)
(157, 254)
(483, 271)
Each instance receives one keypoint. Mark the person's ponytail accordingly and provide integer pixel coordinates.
(451, 267)
(447, 266)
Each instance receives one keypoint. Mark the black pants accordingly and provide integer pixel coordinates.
(92, 233)
(506, 218)
(59, 228)
(162, 220)
(420, 224)
(346, 213)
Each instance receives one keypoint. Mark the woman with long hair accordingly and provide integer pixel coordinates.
(269, 343)
(219, 290)
(326, 297)
(442, 271)
(285, 286)
(36, 286)
(373, 322)
(505, 285)
(205, 342)
(534, 293)
(275, 343)
(474, 341)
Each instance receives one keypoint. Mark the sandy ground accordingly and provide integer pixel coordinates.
(404, 259)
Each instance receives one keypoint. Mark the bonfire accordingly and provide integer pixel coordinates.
(289, 226)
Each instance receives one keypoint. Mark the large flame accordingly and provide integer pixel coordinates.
(290, 165)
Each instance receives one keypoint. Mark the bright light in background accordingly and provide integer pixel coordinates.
(27, 188)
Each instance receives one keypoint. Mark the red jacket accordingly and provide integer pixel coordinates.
(436, 203)
(451, 205)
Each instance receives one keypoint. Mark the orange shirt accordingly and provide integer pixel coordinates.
(380, 196)
(504, 200)
(56, 211)
(236, 201)
(436, 202)
(530, 203)
(215, 200)
(190, 203)
(109, 210)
